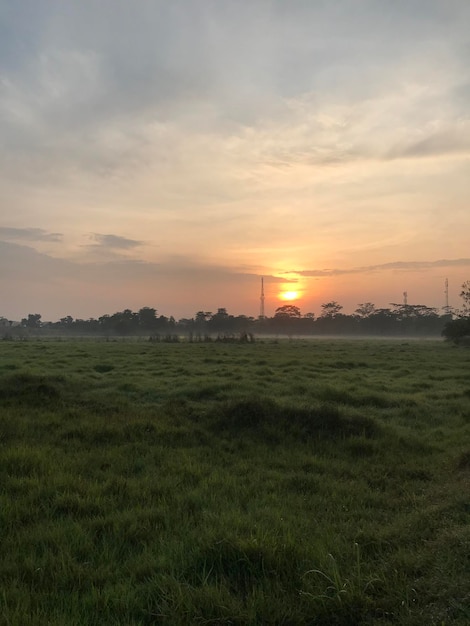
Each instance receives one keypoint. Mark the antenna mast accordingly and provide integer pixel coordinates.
(405, 298)
(261, 310)
(446, 291)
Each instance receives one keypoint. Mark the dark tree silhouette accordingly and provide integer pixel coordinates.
(32, 321)
(331, 309)
(408, 319)
(465, 295)
(365, 309)
(289, 311)
(458, 330)
(147, 318)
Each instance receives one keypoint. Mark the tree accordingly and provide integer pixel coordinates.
(66, 321)
(147, 317)
(465, 295)
(32, 321)
(287, 319)
(365, 309)
(331, 309)
(382, 322)
(412, 310)
(123, 322)
(288, 311)
(201, 317)
(221, 321)
(457, 330)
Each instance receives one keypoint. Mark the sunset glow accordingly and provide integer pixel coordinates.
(289, 295)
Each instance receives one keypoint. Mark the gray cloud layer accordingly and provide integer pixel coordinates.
(397, 265)
(28, 234)
(25, 263)
(80, 85)
(115, 242)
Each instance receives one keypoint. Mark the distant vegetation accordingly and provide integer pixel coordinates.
(276, 482)
(399, 320)
(458, 330)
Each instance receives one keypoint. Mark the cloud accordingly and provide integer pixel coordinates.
(77, 95)
(114, 242)
(24, 264)
(396, 265)
(180, 284)
(29, 234)
(453, 140)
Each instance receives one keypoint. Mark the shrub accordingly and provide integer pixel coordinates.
(457, 330)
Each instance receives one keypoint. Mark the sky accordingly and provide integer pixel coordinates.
(171, 153)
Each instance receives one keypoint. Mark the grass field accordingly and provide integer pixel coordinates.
(305, 482)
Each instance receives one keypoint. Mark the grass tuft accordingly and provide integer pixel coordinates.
(103, 368)
(31, 389)
(262, 416)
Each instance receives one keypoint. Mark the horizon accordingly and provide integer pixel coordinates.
(171, 154)
(285, 302)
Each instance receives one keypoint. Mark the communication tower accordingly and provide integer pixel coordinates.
(405, 298)
(261, 308)
(446, 291)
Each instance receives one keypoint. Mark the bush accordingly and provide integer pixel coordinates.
(457, 330)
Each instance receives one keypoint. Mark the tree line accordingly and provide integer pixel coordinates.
(399, 320)
(367, 319)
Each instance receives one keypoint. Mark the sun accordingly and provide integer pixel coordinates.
(289, 295)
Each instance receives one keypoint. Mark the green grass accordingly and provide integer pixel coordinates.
(310, 482)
